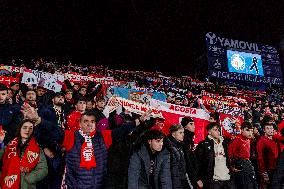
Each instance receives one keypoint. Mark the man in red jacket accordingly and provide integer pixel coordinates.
(239, 154)
(268, 151)
(86, 148)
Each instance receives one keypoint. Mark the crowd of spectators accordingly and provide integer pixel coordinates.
(58, 140)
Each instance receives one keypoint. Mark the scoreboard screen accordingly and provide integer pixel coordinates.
(243, 62)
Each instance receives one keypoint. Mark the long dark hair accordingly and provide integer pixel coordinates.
(18, 133)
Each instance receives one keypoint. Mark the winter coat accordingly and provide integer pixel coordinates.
(190, 157)
(56, 164)
(118, 162)
(117, 165)
(72, 142)
(48, 113)
(10, 117)
(82, 178)
(178, 164)
(205, 157)
(29, 180)
(138, 171)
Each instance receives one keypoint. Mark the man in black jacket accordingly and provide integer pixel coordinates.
(189, 146)
(213, 161)
(56, 114)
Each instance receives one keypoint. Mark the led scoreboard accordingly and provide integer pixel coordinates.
(240, 60)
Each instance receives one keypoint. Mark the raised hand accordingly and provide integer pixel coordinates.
(30, 113)
(145, 115)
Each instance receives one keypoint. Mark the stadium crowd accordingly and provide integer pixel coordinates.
(53, 140)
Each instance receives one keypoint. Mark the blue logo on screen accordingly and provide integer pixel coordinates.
(246, 63)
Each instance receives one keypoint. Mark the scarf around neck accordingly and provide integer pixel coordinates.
(14, 164)
(88, 159)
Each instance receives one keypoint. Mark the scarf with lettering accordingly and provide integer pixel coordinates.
(88, 159)
(13, 164)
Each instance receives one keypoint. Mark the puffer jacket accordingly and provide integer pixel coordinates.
(138, 171)
(82, 178)
(178, 164)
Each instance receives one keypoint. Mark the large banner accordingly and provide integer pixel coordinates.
(231, 99)
(135, 107)
(229, 113)
(228, 117)
(7, 80)
(6, 70)
(49, 81)
(74, 77)
(241, 60)
(172, 113)
(138, 96)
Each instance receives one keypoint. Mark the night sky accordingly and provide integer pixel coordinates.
(164, 35)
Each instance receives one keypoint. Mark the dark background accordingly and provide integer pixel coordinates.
(163, 35)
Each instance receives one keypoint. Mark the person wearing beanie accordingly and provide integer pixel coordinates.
(188, 124)
(189, 146)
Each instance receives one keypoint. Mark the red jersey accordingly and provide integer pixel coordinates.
(267, 152)
(239, 148)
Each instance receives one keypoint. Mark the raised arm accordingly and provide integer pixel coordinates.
(55, 132)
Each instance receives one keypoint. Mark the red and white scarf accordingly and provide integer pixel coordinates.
(13, 164)
(88, 159)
